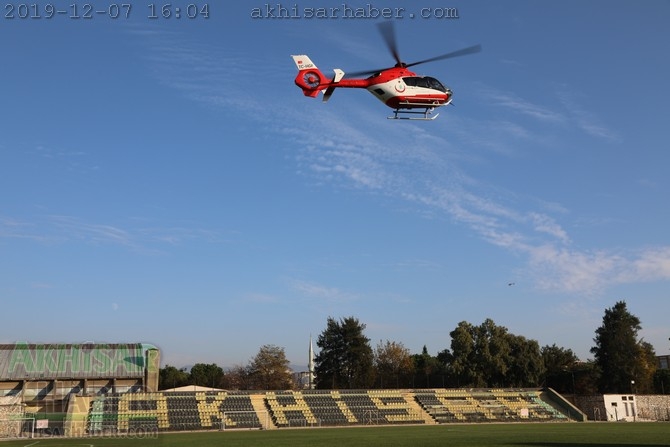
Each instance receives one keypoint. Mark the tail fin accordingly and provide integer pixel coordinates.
(303, 62)
(339, 74)
(309, 79)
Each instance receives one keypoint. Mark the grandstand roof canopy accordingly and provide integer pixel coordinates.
(191, 388)
(23, 361)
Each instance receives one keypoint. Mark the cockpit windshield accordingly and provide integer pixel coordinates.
(425, 82)
(435, 84)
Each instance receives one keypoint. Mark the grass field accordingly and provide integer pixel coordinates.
(488, 435)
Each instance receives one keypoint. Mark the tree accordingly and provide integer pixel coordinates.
(492, 345)
(209, 375)
(393, 363)
(269, 369)
(427, 366)
(345, 358)
(586, 378)
(461, 360)
(478, 354)
(171, 377)
(645, 368)
(425, 363)
(525, 364)
(622, 359)
(662, 381)
(237, 378)
(489, 356)
(560, 368)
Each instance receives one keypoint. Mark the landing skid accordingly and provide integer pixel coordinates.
(400, 114)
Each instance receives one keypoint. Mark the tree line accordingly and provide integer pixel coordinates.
(268, 370)
(480, 356)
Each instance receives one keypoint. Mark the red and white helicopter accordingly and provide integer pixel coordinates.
(399, 88)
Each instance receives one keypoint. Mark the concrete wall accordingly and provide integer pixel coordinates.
(646, 407)
(10, 407)
(653, 407)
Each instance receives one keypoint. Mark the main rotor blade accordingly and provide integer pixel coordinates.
(465, 51)
(388, 33)
(365, 73)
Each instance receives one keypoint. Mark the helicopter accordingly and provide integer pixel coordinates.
(407, 93)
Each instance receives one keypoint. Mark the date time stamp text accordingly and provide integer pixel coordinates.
(114, 11)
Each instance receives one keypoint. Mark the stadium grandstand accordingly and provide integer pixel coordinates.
(111, 390)
(220, 410)
(41, 380)
(94, 389)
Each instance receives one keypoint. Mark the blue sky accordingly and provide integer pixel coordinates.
(165, 181)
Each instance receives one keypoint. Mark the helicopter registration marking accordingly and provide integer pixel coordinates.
(304, 66)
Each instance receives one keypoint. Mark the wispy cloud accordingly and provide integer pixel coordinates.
(63, 159)
(182, 235)
(584, 119)
(562, 269)
(201, 72)
(502, 136)
(94, 233)
(650, 264)
(592, 271)
(553, 263)
(525, 107)
(545, 224)
(57, 229)
(312, 290)
(421, 167)
(565, 111)
(261, 298)
(12, 228)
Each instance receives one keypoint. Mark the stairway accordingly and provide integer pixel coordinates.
(258, 402)
(414, 405)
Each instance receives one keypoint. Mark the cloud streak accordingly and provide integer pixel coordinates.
(315, 291)
(552, 260)
(525, 107)
(92, 233)
(201, 73)
(419, 166)
(567, 112)
(57, 229)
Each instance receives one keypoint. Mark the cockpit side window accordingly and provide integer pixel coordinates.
(410, 81)
(425, 82)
